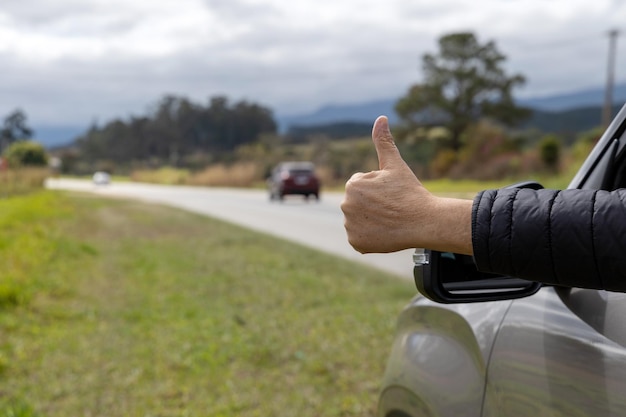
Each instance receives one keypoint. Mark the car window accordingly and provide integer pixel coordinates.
(615, 174)
(300, 171)
(600, 169)
(605, 169)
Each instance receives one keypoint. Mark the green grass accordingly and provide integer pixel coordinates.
(460, 188)
(469, 188)
(117, 308)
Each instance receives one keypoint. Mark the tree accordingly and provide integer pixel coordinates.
(463, 83)
(14, 129)
(26, 153)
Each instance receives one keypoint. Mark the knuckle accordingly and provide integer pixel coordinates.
(354, 178)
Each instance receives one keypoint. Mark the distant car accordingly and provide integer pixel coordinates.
(101, 178)
(293, 178)
(476, 344)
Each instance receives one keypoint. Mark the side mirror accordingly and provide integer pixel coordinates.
(448, 278)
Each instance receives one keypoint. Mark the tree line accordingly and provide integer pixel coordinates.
(178, 132)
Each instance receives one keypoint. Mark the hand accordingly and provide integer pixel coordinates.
(390, 210)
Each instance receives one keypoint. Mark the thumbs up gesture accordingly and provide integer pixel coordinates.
(389, 210)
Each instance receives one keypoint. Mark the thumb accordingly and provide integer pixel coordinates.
(388, 154)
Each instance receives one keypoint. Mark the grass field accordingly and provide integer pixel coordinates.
(116, 308)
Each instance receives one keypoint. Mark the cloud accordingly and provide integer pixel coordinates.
(241, 10)
(72, 61)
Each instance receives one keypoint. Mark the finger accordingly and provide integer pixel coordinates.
(388, 154)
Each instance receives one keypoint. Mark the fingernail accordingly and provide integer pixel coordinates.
(382, 121)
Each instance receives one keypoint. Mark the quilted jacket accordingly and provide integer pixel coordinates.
(574, 238)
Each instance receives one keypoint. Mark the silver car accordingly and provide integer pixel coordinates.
(101, 178)
(478, 345)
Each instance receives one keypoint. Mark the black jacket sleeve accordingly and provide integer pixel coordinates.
(574, 238)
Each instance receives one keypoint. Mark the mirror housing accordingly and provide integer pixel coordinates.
(447, 278)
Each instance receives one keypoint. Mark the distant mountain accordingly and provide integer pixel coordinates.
(333, 130)
(54, 136)
(368, 111)
(568, 123)
(591, 97)
(360, 112)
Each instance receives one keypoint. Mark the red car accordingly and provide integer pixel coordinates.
(293, 178)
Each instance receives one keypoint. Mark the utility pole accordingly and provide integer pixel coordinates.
(607, 113)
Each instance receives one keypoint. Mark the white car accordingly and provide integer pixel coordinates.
(101, 178)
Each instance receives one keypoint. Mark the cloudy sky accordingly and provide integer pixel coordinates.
(70, 62)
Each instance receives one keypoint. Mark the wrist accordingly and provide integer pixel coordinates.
(451, 227)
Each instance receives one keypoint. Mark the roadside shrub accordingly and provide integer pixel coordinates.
(165, 175)
(550, 151)
(26, 153)
(242, 174)
(443, 162)
(22, 180)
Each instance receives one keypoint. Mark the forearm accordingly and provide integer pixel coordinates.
(574, 238)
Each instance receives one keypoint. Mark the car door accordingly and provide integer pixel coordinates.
(562, 352)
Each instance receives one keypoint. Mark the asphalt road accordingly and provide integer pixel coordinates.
(318, 225)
